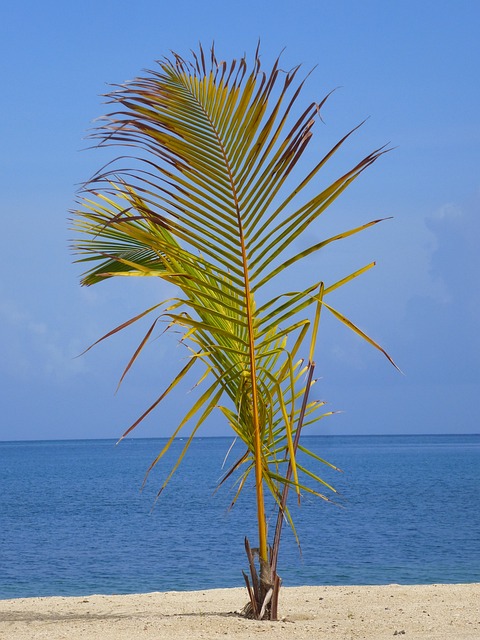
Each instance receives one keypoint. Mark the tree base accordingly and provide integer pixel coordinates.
(262, 590)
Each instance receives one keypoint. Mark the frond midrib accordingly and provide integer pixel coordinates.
(259, 471)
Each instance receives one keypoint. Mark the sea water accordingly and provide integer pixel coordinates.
(73, 520)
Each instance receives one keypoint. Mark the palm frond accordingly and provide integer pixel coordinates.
(204, 204)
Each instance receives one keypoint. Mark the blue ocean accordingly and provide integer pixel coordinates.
(73, 520)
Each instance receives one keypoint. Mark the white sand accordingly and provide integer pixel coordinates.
(434, 612)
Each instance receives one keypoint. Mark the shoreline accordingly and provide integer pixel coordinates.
(433, 612)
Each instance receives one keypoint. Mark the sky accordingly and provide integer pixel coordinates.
(411, 68)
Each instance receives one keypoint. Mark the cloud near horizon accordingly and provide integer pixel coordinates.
(442, 329)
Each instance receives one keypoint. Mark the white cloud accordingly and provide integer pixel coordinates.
(33, 349)
(448, 211)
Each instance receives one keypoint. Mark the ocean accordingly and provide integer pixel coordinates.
(73, 520)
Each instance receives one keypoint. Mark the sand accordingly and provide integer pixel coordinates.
(434, 612)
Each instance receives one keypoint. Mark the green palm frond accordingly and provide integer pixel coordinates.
(204, 204)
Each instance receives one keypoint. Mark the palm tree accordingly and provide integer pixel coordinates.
(204, 204)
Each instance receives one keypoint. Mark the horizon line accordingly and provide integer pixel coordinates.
(229, 437)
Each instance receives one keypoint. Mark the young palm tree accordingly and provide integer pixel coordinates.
(204, 204)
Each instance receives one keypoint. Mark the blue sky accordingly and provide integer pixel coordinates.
(410, 67)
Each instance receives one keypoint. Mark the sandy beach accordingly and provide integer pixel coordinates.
(434, 612)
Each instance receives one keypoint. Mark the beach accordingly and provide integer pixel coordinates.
(433, 612)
